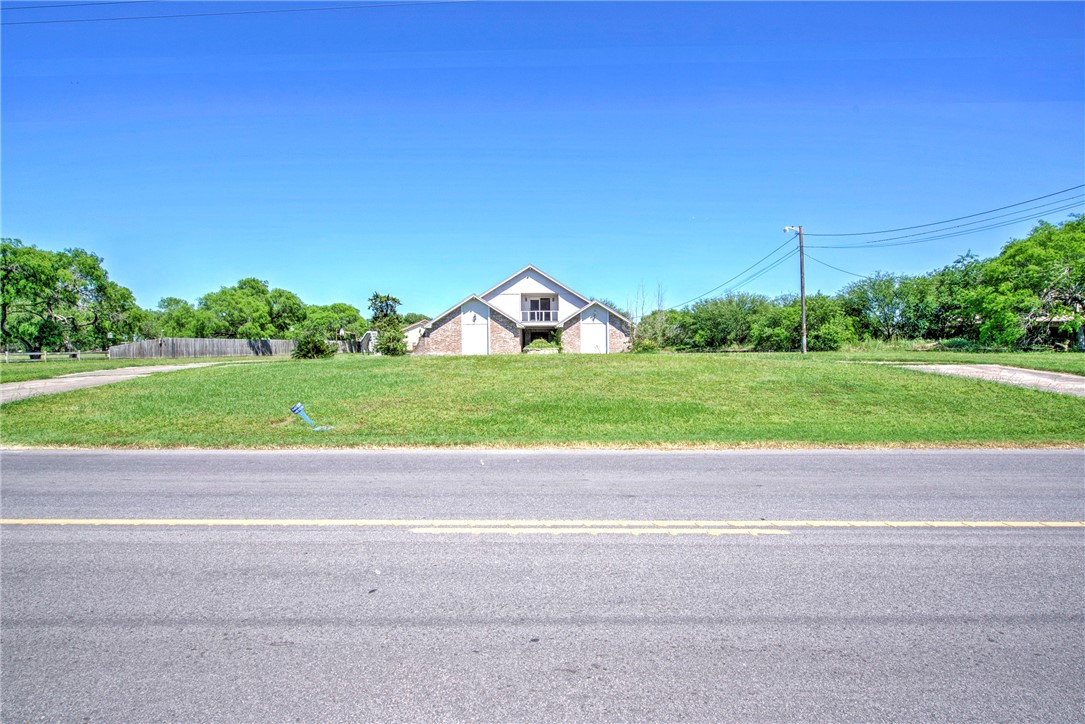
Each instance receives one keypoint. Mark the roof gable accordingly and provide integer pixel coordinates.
(596, 303)
(429, 323)
(538, 275)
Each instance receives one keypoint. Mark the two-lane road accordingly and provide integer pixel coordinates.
(773, 586)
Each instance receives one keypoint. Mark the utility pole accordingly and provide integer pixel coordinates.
(802, 282)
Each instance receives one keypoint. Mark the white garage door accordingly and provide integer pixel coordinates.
(593, 330)
(476, 328)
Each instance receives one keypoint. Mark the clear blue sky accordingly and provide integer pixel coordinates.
(431, 150)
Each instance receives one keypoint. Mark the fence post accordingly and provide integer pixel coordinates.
(44, 355)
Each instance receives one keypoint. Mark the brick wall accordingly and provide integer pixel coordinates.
(504, 335)
(617, 335)
(570, 335)
(445, 336)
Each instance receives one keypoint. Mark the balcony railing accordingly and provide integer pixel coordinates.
(539, 315)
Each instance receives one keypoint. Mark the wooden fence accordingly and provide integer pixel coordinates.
(45, 356)
(178, 347)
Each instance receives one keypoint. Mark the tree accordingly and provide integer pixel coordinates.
(60, 300)
(388, 324)
(249, 310)
(383, 305)
(877, 304)
(411, 317)
(1040, 281)
(327, 321)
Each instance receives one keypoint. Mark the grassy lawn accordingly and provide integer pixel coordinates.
(23, 371)
(726, 400)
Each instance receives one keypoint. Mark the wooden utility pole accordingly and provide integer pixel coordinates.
(802, 282)
(802, 289)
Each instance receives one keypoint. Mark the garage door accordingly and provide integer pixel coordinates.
(593, 330)
(476, 328)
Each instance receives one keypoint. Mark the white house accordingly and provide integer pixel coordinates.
(413, 333)
(527, 306)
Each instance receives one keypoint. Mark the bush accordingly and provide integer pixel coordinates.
(390, 339)
(312, 346)
(644, 346)
(542, 344)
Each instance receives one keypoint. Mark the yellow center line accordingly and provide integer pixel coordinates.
(542, 525)
(553, 530)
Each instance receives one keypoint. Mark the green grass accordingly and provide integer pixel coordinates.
(724, 400)
(24, 371)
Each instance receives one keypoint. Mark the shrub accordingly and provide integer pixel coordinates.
(390, 339)
(542, 344)
(644, 346)
(312, 346)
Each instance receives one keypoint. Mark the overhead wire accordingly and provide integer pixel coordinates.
(753, 277)
(239, 12)
(947, 221)
(845, 271)
(903, 240)
(5, 8)
(736, 276)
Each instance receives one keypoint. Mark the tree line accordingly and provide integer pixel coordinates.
(65, 300)
(1031, 295)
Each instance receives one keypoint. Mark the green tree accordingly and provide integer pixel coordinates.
(327, 321)
(61, 300)
(1040, 281)
(877, 304)
(388, 324)
(249, 310)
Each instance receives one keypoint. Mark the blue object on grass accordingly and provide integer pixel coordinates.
(299, 410)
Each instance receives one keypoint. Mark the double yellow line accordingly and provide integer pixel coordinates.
(548, 527)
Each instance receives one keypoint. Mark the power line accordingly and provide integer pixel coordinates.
(947, 221)
(1047, 206)
(882, 243)
(75, 5)
(819, 261)
(753, 277)
(736, 276)
(944, 230)
(240, 12)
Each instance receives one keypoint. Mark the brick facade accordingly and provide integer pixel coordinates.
(444, 337)
(617, 335)
(504, 335)
(570, 335)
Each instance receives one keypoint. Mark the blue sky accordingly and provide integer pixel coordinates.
(431, 150)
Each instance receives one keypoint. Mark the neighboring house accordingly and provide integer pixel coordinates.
(527, 306)
(413, 333)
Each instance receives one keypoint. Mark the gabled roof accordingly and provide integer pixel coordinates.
(419, 323)
(541, 273)
(475, 297)
(596, 303)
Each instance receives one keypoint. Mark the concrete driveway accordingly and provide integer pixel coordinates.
(1035, 379)
(10, 391)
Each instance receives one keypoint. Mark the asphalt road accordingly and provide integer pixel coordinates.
(386, 619)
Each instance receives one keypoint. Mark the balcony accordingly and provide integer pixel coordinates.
(539, 315)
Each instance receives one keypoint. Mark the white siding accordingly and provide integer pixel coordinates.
(507, 296)
(476, 327)
(593, 330)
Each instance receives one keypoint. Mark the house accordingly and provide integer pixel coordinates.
(527, 306)
(413, 333)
